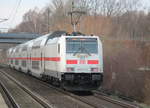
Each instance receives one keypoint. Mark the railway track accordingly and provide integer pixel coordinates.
(84, 105)
(19, 96)
(10, 101)
(101, 95)
(94, 100)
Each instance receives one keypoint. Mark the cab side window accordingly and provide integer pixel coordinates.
(58, 48)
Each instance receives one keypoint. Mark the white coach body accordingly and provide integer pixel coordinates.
(76, 62)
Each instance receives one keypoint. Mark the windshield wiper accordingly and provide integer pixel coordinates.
(77, 51)
(87, 51)
(82, 49)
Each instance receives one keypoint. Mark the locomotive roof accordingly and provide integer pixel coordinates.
(60, 33)
(51, 36)
(57, 34)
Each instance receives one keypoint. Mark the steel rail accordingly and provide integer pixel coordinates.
(118, 102)
(32, 94)
(9, 96)
(96, 94)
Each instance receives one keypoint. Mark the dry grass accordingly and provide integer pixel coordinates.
(122, 60)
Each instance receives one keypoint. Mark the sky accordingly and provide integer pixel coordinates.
(8, 7)
(8, 10)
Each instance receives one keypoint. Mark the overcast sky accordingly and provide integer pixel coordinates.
(8, 7)
(7, 10)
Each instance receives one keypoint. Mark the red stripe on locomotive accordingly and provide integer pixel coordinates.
(93, 62)
(72, 61)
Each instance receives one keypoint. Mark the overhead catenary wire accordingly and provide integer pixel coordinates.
(12, 14)
(12, 10)
(9, 15)
(15, 12)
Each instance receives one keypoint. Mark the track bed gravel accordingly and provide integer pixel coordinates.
(57, 98)
(53, 97)
(23, 99)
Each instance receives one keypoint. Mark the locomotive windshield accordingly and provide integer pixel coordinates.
(81, 45)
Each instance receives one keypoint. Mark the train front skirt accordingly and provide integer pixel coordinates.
(81, 81)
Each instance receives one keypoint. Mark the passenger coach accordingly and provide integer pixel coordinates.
(74, 62)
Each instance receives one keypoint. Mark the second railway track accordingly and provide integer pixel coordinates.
(126, 104)
(19, 96)
(80, 100)
(9, 100)
(52, 96)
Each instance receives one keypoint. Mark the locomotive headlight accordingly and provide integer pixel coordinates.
(70, 69)
(94, 69)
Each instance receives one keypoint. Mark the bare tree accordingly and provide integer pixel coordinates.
(31, 18)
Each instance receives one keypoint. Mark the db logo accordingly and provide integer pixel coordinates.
(82, 62)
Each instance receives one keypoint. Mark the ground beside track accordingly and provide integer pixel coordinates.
(56, 98)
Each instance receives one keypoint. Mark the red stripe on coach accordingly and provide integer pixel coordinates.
(93, 62)
(71, 61)
(36, 58)
(25, 58)
(52, 58)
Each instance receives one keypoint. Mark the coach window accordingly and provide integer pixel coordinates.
(24, 48)
(58, 48)
(36, 44)
(17, 50)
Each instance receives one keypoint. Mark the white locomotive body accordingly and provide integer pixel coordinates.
(74, 62)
